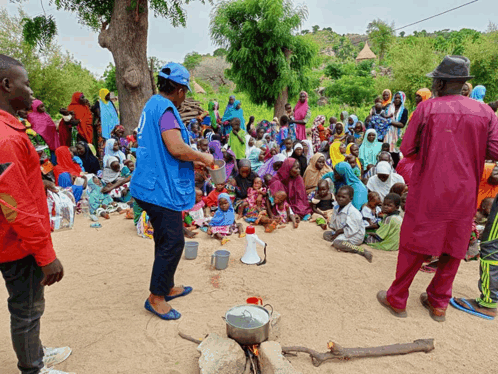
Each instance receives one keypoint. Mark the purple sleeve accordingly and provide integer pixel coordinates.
(168, 122)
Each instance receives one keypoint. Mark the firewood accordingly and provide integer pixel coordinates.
(339, 353)
(189, 338)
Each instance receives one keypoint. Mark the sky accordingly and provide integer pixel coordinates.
(172, 44)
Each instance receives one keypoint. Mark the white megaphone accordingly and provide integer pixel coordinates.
(251, 256)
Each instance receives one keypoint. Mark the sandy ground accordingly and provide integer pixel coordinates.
(322, 295)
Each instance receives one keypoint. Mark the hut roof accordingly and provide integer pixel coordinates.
(366, 53)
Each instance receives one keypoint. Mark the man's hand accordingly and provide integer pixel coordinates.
(52, 273)
(205, 159)
(49, 185)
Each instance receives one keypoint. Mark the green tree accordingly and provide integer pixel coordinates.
(192, 60)
(219, 52)
(123, 27)
(110, 78)
(381, 35)
(269, 62)
(315, 29)
(352, 90)
(304, 32)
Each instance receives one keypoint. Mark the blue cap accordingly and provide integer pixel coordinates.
(178, 74)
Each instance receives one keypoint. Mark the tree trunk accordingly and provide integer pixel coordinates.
(279, 107)
(126, 38)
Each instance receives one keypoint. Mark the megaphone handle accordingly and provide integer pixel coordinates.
(264, 260)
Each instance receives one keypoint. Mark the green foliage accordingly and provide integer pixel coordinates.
(381, 34)
(54, 75)
(192, 60)
(315, 29)
(110, 78)
(352, 90)
(39, 31)
(336, 70)
(333, 70)
(219, 52)
(265, 53)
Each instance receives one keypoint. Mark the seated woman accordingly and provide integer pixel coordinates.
(272, 165)
(314, 172)
(343, 175)
(117, 186)
(112, 150)
(289, 180)
(65, 163)
(90, 162)
(299, 155)
(66, 180)
(98, 202)
(384, 180)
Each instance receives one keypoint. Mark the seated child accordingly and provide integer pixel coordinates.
(267, 179)
(403, 203)
(353, 162)
(203, 145)
(76, 158)
(332, 123)
(288, 148)
(484, 211)
(202, 183)
(322, 203)
(385, 147)
(197, 217)
(211, 200)
(231, 188)
(255, 203)
(399, 188)
(223, 222)
(371, 210)
(339, 135)
(347, 227)
(280, 210)
(358, 133)
(386, 237)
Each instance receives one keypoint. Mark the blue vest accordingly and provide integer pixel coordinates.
(159, 178)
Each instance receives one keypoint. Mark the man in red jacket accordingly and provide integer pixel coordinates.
(27, 257)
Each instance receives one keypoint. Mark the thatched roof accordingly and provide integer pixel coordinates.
(366, 53)
(198, 89)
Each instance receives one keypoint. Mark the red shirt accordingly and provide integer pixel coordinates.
(26, 230)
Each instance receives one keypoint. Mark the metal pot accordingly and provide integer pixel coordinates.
(248, 324)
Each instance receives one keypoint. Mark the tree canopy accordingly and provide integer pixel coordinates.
(381, 35)
(266, 54)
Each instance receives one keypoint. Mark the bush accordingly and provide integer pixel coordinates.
(351, 90)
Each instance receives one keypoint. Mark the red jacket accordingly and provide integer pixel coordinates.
(26, 230)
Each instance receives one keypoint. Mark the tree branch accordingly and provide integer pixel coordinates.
(339, 353)
(189, 338)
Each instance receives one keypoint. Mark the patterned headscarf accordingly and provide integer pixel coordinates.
(388, 101)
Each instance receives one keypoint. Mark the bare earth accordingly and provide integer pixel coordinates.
(321, 294)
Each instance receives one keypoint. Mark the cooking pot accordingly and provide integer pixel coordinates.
(248, 324)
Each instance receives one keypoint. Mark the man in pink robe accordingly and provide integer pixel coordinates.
(450, 137)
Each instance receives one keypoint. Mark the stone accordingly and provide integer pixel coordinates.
(275, 326)
(221, 356)
(272, 361)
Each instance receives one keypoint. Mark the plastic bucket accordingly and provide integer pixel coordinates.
(218, 176)
(220, 259)
(191, 250)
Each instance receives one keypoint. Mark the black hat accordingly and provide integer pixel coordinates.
(452, 67)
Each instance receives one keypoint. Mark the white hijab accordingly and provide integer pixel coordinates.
(109, 175)
(249, 149)
(383, 188)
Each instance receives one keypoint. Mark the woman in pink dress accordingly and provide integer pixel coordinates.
(302, 115)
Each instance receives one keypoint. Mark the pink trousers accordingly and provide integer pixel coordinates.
(439, 290)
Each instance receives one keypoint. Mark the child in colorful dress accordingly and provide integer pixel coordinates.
(339, 135)
(281, 210)
(223, 222)
(255, 202)
(322, 203)
(386, 237)
(371, 211)
(197, 214)
(211, 200)
(358, 134)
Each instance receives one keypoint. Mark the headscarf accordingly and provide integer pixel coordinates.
(229, 166)
(95, 196)
(215, 149)
(65, 181)
(235, 113)
(108, 115)
(348, 152)
(229, 106)
(312, 175)
(43, 125)
(355, 121)
(254, 159)
(244, 183)
(360, 195)
(249, 149)
(383, 188)
(222, 218)
(65, 163)
(83, 113)
(470, 87)
(335, 154)
(311, 152)
(90, 162)
(294, 187)
(397, 118)
(301, 109)
(303, 161)
(109, 152)
(478, 93)
(344, 114)
(267, 168)
(109, 175)
(369, 151)
(388, 101)
(424, 93)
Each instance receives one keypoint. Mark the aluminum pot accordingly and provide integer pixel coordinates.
(248, 324)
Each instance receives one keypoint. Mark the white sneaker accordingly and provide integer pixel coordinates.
(54, 356)
(46, 370)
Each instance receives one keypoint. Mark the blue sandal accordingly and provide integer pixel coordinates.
(186, 291)
(469, 308)
(170, 316)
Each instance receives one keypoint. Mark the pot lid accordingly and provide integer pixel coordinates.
(247, 316)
